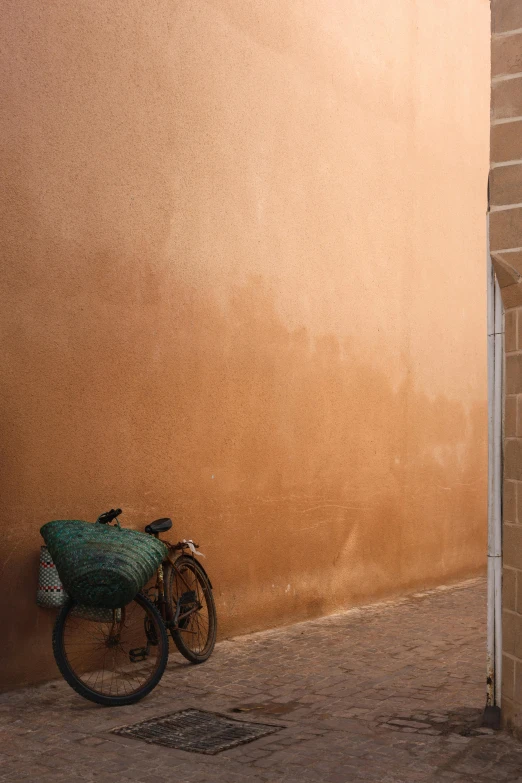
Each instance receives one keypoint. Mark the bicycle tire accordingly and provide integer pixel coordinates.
(181, 638)
(75, 681)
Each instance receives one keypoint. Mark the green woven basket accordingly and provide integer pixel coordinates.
(102, 565)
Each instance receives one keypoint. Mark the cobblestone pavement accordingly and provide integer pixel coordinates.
(390, 693)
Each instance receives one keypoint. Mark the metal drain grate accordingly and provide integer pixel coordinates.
(197, 731)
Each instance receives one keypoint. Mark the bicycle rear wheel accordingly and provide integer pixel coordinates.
(189, 592)
(113, 657)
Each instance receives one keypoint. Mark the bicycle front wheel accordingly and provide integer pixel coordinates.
(189, 594)
(113, 657)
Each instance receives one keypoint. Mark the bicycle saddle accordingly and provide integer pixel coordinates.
(159, 525)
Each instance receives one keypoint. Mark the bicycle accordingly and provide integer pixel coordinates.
(115, 657)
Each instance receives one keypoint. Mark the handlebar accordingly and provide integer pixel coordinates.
(108, 516)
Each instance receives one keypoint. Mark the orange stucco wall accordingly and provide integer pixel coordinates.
(243, 285)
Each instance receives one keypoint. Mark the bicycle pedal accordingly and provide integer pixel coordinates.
(138, 654)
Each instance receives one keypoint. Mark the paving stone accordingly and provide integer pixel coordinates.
(458, 739)
(412, 724)
(92, 741)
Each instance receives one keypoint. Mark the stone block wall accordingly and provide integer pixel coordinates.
(506, 251)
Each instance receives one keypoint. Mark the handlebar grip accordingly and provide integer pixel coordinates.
(108, 516)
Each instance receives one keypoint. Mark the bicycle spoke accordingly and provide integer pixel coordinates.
(99, 652)
(195, 631)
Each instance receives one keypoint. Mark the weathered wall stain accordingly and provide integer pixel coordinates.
(290, 463)
(243, 286)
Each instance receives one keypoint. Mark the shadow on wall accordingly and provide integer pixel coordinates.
(309, 481)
